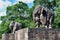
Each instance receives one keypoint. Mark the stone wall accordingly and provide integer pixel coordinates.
(43, 34)
(36, 34)
(8, 36)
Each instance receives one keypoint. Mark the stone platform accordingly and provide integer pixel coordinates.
(36, 34)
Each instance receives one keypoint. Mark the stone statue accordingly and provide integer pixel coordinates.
(36, 15)
(43, 16)
(50, 18)
(14, 26)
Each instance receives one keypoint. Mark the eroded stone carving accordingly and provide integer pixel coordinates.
(43, 16)
(14, 26)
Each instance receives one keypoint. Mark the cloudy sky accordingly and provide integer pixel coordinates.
(5, 3)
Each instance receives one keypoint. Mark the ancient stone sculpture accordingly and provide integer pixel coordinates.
(36, 15)
(14, 26)
(43, 16)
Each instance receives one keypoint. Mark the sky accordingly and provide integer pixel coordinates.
(5, 3)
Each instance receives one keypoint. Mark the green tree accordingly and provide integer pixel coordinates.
(17, 12)
(51, 4)
(57, 15)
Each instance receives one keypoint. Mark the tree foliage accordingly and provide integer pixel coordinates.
(57, 15)
(19, 13)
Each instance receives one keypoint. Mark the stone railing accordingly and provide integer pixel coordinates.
(33, 34)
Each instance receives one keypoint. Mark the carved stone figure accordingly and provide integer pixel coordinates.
(50, 18)
(43, 16)
(14, 26)
(36, 15)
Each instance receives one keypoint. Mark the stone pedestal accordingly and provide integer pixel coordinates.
(33, 34)
(37, 34)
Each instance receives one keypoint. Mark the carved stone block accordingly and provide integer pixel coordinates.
(33, 34)
(8, 36)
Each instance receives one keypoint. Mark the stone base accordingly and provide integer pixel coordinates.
(35, 34)
(8, 36)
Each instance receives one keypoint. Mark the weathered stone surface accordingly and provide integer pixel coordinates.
(38, 34)
(34, 34)
(9, 36)
(21, 34)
